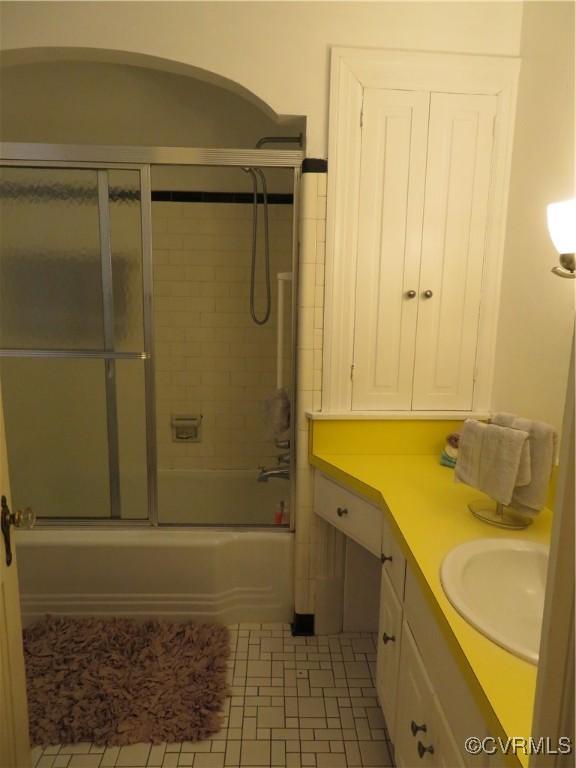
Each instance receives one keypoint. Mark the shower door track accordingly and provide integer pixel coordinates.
(138, 156)
(101, 157)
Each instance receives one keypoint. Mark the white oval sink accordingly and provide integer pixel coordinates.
(498, 586)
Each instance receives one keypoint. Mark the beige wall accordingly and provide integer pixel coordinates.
(80, 102)
(278, 51)
(537, 308)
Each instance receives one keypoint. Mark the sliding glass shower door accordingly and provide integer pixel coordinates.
(75, 365)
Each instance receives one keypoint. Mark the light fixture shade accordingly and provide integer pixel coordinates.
(562, 225)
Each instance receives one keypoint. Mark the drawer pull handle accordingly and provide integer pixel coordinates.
(384, 557)
(386, 638)
(422, 749)
(415, 728)
(341, 511)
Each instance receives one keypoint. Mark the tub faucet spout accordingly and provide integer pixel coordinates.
(266, 474)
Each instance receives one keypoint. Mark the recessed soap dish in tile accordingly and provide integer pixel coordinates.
(186, 428)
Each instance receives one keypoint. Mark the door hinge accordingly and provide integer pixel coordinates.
(352, 372)
(362, 118)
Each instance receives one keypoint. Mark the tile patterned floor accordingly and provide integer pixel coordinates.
(295, 702)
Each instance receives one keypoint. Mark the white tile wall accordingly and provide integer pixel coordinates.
(309, 357)
(211, 359)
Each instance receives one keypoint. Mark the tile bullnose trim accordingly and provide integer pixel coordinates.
(303, 625)
(314, 165)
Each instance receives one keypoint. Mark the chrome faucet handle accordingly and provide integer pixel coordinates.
(283, 445)
(284, 458)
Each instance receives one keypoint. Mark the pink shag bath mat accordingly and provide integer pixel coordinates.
(120, 681)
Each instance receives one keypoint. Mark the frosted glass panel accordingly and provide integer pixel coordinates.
(131, 409)
(55, 412)
(126, 244)
(50, 266)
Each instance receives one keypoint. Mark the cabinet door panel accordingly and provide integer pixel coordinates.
(389, 239)
(388, 653)
(458, 172)
(415, 706)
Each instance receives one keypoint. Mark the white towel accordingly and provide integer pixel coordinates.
(489, 458)
(513, 422)
(542, 440)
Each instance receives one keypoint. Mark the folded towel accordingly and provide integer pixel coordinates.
(446, 460)
(489, 457)
(542, 439)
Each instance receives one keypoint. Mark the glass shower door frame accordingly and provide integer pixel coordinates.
(108, 355)
(141, 159)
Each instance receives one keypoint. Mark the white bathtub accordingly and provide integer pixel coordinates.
(176, 574)
(218, 497)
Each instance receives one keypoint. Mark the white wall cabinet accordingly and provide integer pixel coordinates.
(424, 189)
(416, 206)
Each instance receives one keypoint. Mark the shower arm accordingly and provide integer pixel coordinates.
(280, 140)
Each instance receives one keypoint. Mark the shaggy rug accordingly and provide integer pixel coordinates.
(120, 681)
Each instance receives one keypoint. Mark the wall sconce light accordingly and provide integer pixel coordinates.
(562, 229)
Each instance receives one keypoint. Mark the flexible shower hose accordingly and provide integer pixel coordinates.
(254, 173)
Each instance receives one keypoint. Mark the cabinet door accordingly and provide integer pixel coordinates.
(388, 652)
(458, 173)
(391, 203)
(415, 708)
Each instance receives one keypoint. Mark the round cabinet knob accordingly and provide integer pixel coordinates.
(341, 511)
(428, 294)
(422, 750)
(386, 558)
(410, 294)
(388, 638)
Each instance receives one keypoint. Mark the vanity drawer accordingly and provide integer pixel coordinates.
(354, 516)
(393, 560)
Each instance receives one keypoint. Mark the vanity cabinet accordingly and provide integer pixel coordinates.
(427, 704)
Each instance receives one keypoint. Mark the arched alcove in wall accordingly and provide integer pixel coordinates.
(93, 96)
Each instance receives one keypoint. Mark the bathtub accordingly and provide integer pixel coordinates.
(176, 574)
(218, 497)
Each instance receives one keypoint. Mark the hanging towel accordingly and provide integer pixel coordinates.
(278, 408)
(514, 422)
(542, 440)
(489, 458)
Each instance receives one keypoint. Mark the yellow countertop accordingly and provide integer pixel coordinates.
(429, 513)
